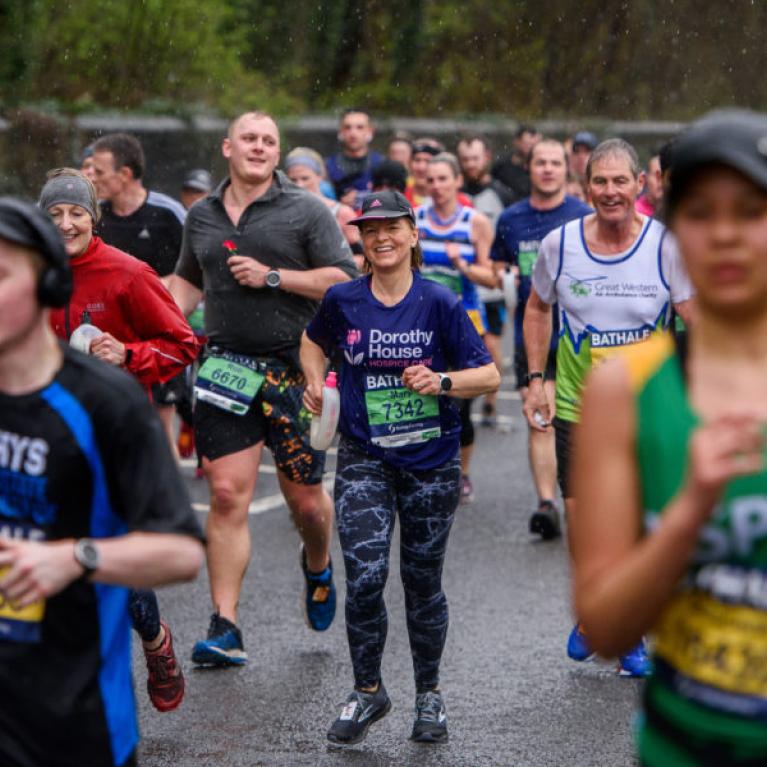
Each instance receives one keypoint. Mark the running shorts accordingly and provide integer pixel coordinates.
(276, 416)
(495, 313)
(563, 440)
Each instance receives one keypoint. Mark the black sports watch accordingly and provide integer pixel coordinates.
(531, 376)
(87, 555)
(445, 383)
(273, 278)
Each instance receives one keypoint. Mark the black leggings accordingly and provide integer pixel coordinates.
(369, 494)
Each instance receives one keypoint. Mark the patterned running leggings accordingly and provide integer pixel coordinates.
(368, 496)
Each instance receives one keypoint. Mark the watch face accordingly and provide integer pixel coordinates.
(273, 279)
(445, 383)
(87, 554)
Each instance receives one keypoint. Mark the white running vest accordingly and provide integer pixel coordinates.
(605, 304)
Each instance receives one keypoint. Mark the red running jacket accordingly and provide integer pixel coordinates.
(124, 297)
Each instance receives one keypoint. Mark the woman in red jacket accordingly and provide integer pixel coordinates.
(144, 332)
(143, 329)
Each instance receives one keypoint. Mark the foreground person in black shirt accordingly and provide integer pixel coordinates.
(90, 502)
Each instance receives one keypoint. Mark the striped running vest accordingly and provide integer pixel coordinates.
(436, 264)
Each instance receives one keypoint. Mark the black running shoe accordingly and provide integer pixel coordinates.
(545, 521)
(359, 712)
(430, 724)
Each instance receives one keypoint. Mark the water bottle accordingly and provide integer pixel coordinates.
(324, 426)
(509, 280)
(83, 336)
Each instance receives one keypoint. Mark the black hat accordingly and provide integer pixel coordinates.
(387, 204)
(389, 173)
(24, 224)
(199, 180)
(420, 147)
(585, 138)
(733, 137)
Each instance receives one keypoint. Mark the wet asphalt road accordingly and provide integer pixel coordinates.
(513, 697)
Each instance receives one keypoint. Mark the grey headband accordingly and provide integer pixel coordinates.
(71, 190)
(304, 159)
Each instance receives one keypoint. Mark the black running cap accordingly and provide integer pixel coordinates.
(585, 138)
(421, 147)
(387, 204)
(25, 224)
(736, 138)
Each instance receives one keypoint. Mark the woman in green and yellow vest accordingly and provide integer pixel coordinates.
(671, 532)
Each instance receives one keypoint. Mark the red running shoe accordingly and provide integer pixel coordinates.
(185, 441)
(165, 684)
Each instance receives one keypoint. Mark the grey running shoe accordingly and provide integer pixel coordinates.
(359, 712)
(430, 724)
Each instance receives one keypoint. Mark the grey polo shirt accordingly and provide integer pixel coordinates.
(286, 228)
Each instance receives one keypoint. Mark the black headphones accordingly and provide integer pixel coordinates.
(36, 230)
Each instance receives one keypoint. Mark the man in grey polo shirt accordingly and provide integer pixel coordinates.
(262, 253)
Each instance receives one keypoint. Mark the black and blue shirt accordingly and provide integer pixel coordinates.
(83, 457)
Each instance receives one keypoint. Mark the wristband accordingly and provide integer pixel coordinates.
(531, 376)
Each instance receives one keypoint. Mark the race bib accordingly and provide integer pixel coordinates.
(399, 416)
(526, 260)
(20, 624)
(718, 649)
(229, 381)
(446, 276)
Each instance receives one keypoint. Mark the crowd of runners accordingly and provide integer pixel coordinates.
(135, 328)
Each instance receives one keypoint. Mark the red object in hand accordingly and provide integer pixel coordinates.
(230, 246)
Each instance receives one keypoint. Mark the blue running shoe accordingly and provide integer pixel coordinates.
(319, 596)
(577, 646)
(223, 647)
(635, 663)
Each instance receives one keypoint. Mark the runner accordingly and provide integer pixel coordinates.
(424, 149)
(303, 167)
(511, 170)
(649, 203)
(142, 331)
(583, 144)
(197, 184)
(86, 163)
(517, 242)
(399, 442)
(147, 225)
(400, 148)
(349, 170)
(456, 244)
(90, 502)
(491, 197)
(615, 277)
(262, 252)
(672, 442)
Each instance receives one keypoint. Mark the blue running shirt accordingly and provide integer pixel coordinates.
(428, 327)
(518, 236)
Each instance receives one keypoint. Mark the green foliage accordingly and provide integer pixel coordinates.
(529, 58)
